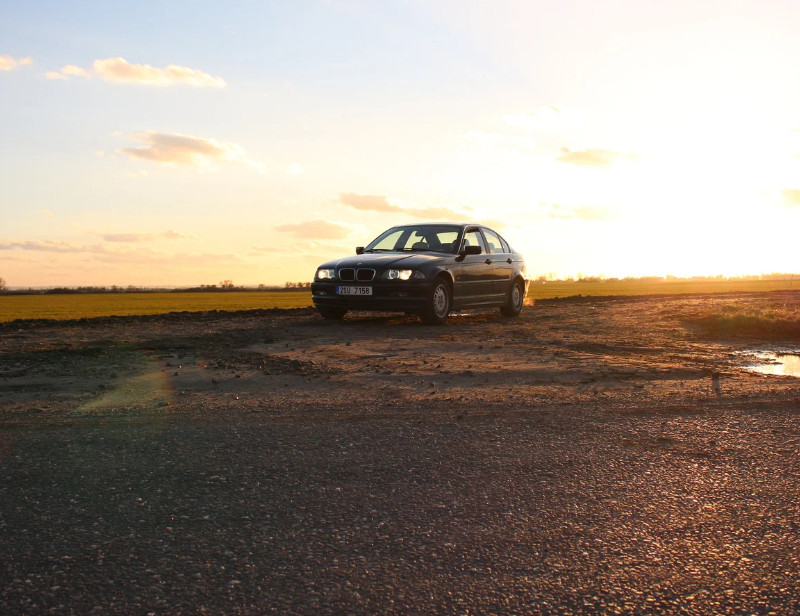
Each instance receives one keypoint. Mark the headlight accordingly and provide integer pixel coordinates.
(394, 274)
(326, 274)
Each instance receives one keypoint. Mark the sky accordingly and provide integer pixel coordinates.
(185, 143)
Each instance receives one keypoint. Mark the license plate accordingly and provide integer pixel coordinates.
(354, 290)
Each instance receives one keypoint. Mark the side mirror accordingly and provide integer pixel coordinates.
(359, 250)
(468, 250)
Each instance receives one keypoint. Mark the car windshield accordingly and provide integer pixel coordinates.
(427, 238)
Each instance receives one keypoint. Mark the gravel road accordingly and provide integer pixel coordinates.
(574, 460)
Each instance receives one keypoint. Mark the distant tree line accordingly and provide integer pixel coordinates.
(226, 286)
(581, 277)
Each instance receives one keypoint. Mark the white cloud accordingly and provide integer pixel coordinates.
(294, 169)
(75, 71)
(7, 63)
(174, 148)
(47, 213)
(119, 70)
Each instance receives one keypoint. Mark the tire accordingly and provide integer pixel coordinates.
(516, 295)
(440, 299)
(332, 314)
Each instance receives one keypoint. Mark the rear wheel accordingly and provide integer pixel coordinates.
(332, 314)
(514, 302)
(439, 302)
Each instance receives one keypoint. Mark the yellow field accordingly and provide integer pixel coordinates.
(107, 304)
(566, 289)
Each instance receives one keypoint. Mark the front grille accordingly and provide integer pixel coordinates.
(347, 273)
(365, 275)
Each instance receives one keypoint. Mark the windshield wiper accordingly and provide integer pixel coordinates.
(378, 250)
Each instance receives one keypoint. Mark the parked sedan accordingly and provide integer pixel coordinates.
(427, 269)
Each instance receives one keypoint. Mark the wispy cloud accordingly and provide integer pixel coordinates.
(7, 63)
(144, 237)
(546, 117)
(368, 203)
(70, 70)
(311, 246)
(791, 197)
(50, 246)
(119, 70)
(174, 148)
(494, 223)
(270, 249)
(581, 212)
(47, 213)
(316, 229)
(380, 203)
(436, 211)
(596, 158)
(496, 139)
(113, 254)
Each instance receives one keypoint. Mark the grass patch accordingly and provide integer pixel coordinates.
(767, 322)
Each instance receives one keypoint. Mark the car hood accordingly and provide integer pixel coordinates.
(385, 260)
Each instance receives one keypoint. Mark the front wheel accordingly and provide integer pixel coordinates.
(332, 314)
(514, 302)
(438, 306)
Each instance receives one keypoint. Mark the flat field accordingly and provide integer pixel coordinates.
(64, 307)
(89, 305)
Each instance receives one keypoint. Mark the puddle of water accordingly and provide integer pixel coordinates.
(784, 364)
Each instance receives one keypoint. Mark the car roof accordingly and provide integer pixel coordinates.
(455, 224)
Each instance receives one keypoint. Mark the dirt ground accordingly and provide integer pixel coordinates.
(576, 459)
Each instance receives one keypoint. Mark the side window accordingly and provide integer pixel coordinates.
(447, 241)
(474, 238)
(493, 240)
(389, 241)
(506, 247)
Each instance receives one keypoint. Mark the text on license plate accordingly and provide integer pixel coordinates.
(354, 290)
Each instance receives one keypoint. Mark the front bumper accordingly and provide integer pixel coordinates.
(389, 296)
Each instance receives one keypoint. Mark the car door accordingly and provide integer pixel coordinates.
(502, 265)
(474, 282)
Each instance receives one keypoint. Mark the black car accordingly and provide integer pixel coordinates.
(428, 269)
